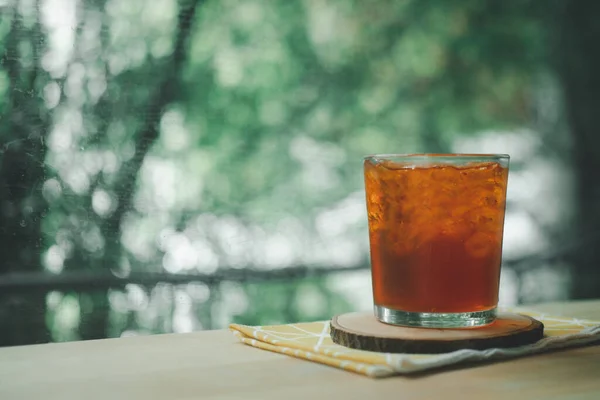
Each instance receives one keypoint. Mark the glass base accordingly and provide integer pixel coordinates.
(435, 320)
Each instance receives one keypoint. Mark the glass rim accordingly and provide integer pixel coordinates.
(438, 156)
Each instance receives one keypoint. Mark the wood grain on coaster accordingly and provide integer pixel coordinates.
(362, 331)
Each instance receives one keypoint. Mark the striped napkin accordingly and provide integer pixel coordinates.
(311, 341)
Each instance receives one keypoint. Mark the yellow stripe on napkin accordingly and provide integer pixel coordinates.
(311, 341)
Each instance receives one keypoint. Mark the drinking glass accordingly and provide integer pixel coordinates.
(435, 229)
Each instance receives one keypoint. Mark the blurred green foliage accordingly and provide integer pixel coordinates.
(262, 113)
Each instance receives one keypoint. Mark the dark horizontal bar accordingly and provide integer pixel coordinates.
(102, 280)
(94, 280)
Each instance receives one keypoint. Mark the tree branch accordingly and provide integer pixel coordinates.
(164, 95)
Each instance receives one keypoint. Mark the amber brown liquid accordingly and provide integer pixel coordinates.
(436, 235)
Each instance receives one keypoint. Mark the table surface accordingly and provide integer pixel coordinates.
(213, 365)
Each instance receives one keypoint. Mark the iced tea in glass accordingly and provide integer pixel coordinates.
(435, 229)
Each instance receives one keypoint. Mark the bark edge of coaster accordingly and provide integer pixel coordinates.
(362, 331)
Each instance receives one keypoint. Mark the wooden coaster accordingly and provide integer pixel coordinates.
(362, 331)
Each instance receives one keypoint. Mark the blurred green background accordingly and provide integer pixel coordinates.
(177, 165)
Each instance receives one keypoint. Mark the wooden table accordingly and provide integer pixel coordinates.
(212, 365)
